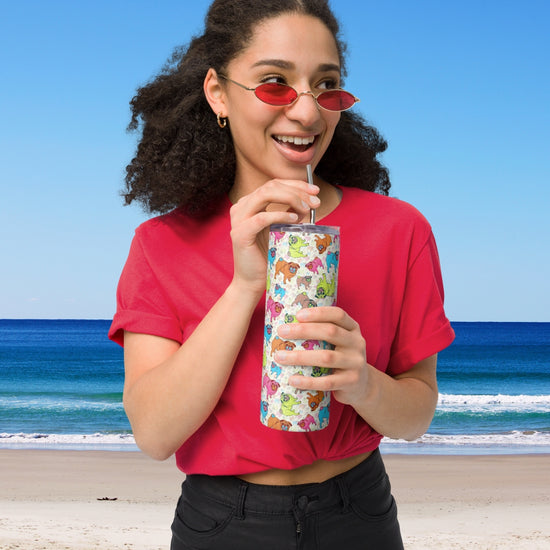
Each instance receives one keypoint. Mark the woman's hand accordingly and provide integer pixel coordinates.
(350, 373)
(277, 201)
(399, 407)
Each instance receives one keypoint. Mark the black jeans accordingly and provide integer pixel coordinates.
(351, 511)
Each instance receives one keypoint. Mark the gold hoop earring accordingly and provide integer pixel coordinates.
(222, 121)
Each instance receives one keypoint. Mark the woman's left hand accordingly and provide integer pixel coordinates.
(348, 361)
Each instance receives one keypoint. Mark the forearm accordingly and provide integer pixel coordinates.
(168, 402)
(401, 407)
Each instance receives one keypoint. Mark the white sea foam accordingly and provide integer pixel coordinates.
(95, 441)
(511, 442)
(494, 403)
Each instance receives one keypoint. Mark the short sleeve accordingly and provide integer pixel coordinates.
(142, 304)
(423, 328)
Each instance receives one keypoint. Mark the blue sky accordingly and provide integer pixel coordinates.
(459, 89)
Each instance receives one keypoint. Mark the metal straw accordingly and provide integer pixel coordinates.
(310, 181)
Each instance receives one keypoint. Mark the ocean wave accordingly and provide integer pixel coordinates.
(13, 403)
(494, 403)
(531, 438)
(119, 441)
(513, 441)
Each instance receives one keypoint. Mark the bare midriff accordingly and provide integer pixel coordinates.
(317, 472)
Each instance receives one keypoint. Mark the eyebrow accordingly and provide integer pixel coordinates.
(282, 64)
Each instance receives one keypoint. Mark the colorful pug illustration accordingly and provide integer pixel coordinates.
(306, 423)
(275, 370)
(311, 344)
(281, 345)
(314, 265)
(268, 331)
(304, 281)
(303, 300)
(288, 402)
(332, 260)
(278, 235)
(295, 245)
(279, 291)
(287, 269)
(319, 371)
(323, 416)
(271, 386)
(271, 255)
(278, 424)
(323, 242)
(315, 400)
(326, 288)
(274, 308)
(263, 410)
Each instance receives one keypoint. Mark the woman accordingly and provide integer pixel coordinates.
(225, 155)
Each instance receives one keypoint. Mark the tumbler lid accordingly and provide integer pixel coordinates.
(304, 228)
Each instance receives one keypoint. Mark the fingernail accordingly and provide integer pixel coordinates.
(314, 201)
(281, 356)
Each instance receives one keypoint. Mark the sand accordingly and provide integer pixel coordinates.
(65, 500)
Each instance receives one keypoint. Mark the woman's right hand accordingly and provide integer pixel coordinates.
(277, 201)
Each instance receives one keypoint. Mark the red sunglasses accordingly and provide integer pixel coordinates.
(275, 93)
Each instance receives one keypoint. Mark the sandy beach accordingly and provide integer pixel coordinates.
(123, 500)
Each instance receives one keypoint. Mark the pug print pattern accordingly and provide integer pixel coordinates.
(302, 272)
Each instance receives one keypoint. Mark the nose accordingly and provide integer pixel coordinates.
(304, 110)
(307, 92)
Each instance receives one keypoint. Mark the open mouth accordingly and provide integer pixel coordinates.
(296, 143)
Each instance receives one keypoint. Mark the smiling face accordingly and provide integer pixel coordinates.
(278, 142)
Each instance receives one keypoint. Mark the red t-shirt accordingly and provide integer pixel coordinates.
(389, 282)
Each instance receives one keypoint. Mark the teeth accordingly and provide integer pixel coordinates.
(296, 140)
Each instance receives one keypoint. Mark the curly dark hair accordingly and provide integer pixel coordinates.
(184, 159)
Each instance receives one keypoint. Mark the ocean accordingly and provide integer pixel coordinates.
(61, 388)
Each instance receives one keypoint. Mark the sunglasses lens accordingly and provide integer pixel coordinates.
(276, 94)
(336, 100)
